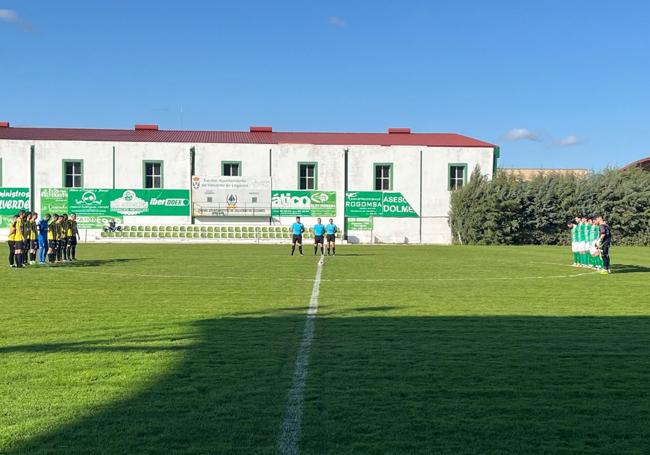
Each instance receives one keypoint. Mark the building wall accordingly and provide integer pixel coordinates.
(419, 173)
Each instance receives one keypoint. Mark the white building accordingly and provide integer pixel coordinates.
(424, 168)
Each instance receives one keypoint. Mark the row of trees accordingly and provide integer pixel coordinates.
(508, 210)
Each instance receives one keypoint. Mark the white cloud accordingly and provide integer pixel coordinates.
(569, 141)
(521, 134)
(337, 21)
(9, 15)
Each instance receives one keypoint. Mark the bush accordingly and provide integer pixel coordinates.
(508, 210)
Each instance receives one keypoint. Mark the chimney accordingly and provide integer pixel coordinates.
(146, 127)
(4, 124)
(399, 130)
(261, 129)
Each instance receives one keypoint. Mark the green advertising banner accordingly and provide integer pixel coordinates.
(364, 204)
(96, 207)
(12, 201)
(54, 200)
(303, 203)
(359, 224)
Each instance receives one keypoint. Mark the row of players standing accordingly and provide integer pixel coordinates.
(53, 237)
(591, 239)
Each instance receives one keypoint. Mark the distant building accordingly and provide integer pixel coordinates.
(643, 163)
(531, 173)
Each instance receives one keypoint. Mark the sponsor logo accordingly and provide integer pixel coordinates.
(231, 200)
(88, 198)
(129, 204)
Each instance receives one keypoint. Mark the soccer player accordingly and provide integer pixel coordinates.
(62, 253)
(19, 239)
(72, 234)
(52, 242)
(319, 234)
(583, 242)
(297, 230)
(42, 238)
(573, 225)
(33, 237)
(331, 231)
(605, 241)
(12, 242)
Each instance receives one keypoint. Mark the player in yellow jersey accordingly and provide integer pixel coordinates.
(52, 243)
(72, 234)
(33, 237)
(19, 239)
(12, 242)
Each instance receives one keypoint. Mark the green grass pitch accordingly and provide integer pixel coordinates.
(191, 349)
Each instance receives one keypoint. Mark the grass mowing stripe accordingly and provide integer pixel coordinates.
(290, 435)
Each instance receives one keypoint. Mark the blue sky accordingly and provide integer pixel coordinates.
(555, 83)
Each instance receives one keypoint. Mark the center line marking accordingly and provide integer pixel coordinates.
(289, 441)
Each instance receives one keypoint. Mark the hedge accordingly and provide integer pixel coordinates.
(508, 210)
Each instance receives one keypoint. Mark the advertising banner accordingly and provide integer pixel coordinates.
(364, 204)
(359, 224)
(96, 207)
(231, 196)
(54, 200)
(12, 201)
(303, 203)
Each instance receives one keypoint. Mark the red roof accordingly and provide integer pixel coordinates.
(240, 137)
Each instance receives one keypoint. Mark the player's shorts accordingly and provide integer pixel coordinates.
(33, 244)
(54, 244)
(72, 241)
(318, 239)
(331, 238)
(296, 238)
(18, 244)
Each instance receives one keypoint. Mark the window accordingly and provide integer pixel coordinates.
(231, 168)
(457, 175)
(383, 177)
(307, 176)
(73, 174)
(153, 174)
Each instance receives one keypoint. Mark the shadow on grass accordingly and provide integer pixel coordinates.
(629, 268)
(99, 262)
(387, 385)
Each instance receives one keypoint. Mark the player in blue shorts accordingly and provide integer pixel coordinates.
(319, 237)
(331, 231)
(297, 229)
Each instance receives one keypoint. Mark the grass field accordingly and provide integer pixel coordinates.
(191, 349)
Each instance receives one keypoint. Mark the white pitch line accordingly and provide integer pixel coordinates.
(289, 442)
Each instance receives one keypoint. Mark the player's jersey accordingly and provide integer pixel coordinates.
(583, 232)
(319, 229)
(70, 228)
(34, 230)
(331, 229)
(19, 235)
(297, 228)
(574, 233)
(50, 230)
(12, 232)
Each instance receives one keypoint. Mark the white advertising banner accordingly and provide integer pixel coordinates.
(231, 196)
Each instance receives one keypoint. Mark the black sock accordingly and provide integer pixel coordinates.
(32, 257)
(50, 257)
(73, 250)
(322, 250)
(334, 250)
(19, 259)
(293, 248)
(315, 250)
(300, 249)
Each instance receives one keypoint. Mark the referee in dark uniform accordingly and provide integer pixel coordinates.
(605, 241)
